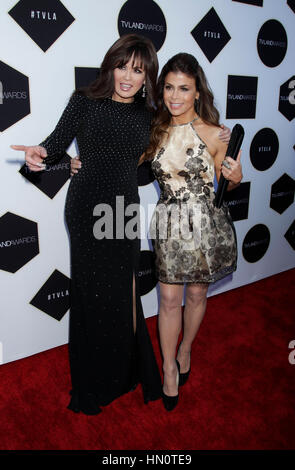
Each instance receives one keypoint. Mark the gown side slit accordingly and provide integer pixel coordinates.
(106, 355)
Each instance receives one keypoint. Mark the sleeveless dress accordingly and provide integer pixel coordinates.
(106, 358)
(194, 241)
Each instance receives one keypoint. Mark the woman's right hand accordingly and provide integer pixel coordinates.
(75, 165)
(34, 156)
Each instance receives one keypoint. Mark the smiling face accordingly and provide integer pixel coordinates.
(128, 79)
(179, 96)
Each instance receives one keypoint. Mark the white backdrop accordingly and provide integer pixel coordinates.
(25, 329)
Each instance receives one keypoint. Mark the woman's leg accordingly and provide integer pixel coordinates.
(194, 311)
(170, 322)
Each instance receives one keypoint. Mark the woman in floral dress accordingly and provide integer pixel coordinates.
(194, 241)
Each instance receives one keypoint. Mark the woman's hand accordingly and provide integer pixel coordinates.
(34, 156)
(232, 170)
(75, 165)
(224, 134)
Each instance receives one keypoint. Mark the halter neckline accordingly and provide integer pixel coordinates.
(185, 123)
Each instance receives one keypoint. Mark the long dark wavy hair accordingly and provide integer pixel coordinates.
(204, 107)
(143, 51)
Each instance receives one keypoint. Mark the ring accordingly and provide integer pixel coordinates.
(226, 164)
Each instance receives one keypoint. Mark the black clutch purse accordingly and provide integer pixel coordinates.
(233, 149)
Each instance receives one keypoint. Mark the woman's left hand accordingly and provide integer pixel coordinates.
(232, 169)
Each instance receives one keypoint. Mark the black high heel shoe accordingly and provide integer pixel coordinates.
(183, 377)
(171, 402)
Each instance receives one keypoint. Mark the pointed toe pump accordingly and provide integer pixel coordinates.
(183, 377)
(171, 402)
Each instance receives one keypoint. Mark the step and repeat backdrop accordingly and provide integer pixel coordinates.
(49, 47)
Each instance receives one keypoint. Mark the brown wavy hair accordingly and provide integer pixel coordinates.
(187, 64)
(143, 50)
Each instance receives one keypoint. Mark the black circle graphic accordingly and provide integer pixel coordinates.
(145, 18)
(264, 149)
(272, 43)
(256, 243)
(146, 272)
(287, 98)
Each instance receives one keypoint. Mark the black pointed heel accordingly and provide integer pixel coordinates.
(183, 377)
(171, 402)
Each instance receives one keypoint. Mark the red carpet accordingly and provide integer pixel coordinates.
(240, 395)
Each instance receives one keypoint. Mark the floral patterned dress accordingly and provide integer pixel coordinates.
(194, 241)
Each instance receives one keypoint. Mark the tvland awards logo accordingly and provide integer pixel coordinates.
(287, 99)
(237, 201)
(43, 20)
(241, 97)
(256, 243)
(14, 96)
(272, 43)
(282, 193)
(264, 149)
(258, 3)
(54, 296)
(211, 35)
(52, 179)
(18, 241)
(145, 18)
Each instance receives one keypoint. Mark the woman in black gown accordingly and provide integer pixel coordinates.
(109, 346)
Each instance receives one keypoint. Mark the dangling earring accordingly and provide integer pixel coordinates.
(197, 105)
(143, 91)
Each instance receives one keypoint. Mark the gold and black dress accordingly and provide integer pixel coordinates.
(194, 241)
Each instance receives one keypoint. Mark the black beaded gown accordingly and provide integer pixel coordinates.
(107, 359)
